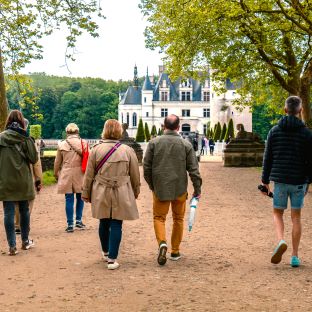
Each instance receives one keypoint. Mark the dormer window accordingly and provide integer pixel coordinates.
(206, 96)
(164, 96)
(164, 83)
(185, 96)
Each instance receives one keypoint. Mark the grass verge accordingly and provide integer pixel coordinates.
(48, 178)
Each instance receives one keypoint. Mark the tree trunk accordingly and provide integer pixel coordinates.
(304, 93)
(3, 99)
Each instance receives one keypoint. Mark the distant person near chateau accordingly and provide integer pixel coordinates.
(17, 152)
(287, 162)
(167, 160)
(111, 184)
(67, 169)
(211, 146)
(36, 171)
(203, 145)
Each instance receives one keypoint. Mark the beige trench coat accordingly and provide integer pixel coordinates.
(67, 166)
(116, 186)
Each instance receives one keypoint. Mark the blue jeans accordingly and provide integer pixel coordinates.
(284, 191)
(110, 232)
(9, 214)
(70, 198)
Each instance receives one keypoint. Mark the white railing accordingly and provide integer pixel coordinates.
(52, 143)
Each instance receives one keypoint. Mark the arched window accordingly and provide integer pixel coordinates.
(134, 120)
(128, 119)
(186, 128)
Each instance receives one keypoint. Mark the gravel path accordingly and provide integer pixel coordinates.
(225, 265)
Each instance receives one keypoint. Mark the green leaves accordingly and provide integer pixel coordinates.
(262, 46)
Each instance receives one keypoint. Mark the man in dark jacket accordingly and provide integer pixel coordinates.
(287, 162)
(167, 160)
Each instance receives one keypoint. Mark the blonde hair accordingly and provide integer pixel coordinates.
(72, 128)
(111, 130)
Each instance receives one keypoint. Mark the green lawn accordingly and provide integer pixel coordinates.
(48, 178)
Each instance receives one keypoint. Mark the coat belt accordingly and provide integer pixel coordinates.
(113, 182)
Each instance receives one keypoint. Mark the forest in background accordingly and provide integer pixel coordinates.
(53, 102)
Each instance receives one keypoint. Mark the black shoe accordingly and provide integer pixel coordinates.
(80, 225)
(17, 231)
(162, 259)
(70, 229)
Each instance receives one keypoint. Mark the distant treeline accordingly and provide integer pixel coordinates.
(53, 102)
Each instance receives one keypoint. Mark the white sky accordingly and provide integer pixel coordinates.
(111, 56)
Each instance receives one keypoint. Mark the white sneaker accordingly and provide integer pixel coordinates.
(105, 256)
(28, 244)
(113, 266)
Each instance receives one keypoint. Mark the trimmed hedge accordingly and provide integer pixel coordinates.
(140, 137)
(147, 133)
(35, 131)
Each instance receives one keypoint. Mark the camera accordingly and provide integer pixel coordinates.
(264, 189)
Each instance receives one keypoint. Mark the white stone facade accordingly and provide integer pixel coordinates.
(196, 104)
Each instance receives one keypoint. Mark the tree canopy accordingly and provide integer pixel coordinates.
(59, 101)
(264, 47)
(23, 23)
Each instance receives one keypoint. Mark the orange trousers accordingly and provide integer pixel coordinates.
(160, 211)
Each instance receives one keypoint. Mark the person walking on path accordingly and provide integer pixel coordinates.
(211, 146)
(112, 184)
(203, 145)
(36, 170)
(167, 160)
(67, 170)
(287, 162)
(17, 152)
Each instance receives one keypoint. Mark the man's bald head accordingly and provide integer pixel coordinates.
(172, 122)
(293, 105)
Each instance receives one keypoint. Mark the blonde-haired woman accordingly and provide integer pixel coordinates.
(67, 169)
(111, 184)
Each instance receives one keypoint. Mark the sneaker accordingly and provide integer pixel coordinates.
(12, 251)
(278, 252)
(28, 244)
(105, 256)
(113, 265)
(175, 256)
(162, 259)
(17, 231)
(295, 262)
(80, 225)
(70, 229)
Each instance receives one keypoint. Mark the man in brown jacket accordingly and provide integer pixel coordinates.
(167, 160)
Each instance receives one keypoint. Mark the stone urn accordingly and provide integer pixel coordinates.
(125, 139)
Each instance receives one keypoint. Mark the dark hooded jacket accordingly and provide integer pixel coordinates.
(288, 153)
(17, 151)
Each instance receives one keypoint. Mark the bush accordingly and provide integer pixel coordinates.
(223, 133)
(140, 137)
(35, 131)
(147, 133)
(159, 132)
(48, 178)
(217, 133)
(154, 131)
(230, 130)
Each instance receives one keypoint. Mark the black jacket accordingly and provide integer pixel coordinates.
(288, 153)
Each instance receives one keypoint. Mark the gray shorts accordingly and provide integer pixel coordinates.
(295, 193)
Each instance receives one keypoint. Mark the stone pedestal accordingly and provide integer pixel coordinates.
(136, 146)
(243, 153)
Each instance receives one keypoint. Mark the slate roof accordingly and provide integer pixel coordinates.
(132, 96)
(147, 86)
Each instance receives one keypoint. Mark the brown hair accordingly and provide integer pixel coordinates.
(111, 130)
(15, 116)
(172, 122)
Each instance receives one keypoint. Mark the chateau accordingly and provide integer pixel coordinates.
(195, 102)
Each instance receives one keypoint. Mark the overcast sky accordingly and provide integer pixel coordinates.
(111, 56)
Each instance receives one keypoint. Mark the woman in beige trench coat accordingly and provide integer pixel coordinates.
(112, 189)
(67, 169)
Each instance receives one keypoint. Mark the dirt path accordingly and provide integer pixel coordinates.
(226, 264)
